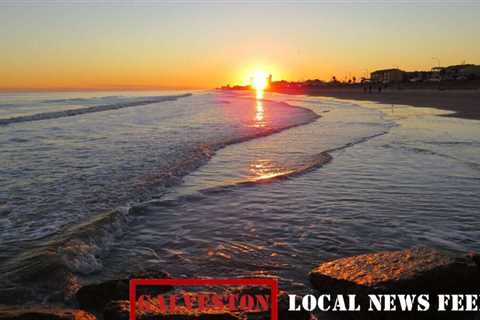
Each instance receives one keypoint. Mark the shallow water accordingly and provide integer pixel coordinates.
(62, 177)
(397, 179)
(361, 178)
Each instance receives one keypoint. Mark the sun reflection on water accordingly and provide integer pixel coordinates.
(259, 114)
(264, 169)
(259, 109)
(259, 94)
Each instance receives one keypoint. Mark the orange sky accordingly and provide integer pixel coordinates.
(153, 45)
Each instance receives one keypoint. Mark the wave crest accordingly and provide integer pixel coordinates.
(92, 109)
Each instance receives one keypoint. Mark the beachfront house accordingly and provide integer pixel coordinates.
(387, 75)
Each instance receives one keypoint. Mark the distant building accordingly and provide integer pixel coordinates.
(388, 75)
(458, 72)
(419, 76)
(461, 72)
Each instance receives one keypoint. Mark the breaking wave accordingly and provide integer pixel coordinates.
(92, 109)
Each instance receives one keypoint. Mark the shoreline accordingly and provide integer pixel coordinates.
(465, 103)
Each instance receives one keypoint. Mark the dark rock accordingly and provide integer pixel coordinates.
(119, 310)
(283, 313)
(41, 313)
(251, 290)
(412, 271)
(116, 310)
(476, 258)
(96, 296)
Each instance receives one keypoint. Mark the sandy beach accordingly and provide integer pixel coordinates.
(465, 103)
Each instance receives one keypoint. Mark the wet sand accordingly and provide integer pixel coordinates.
(465, 103)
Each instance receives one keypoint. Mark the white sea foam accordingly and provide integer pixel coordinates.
(123, 103)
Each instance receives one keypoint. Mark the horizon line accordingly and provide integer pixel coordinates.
(106, 88)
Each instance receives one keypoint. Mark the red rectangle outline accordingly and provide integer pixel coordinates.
(271, 282)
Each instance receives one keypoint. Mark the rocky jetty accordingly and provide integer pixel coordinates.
(415, 271)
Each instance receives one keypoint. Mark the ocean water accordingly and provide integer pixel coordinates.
(222, 184)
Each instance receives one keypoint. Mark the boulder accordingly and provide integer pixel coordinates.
(416, 269)
(42, 313)
(96, 296)
(412, 271)
(116, 310)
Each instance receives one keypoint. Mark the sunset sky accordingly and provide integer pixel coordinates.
(148, 44)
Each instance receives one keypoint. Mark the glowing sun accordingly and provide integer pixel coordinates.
(259, 80)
